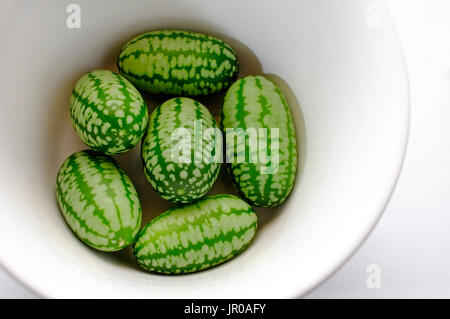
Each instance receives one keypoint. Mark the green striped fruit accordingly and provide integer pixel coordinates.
(98, 201)
(196, 236)
(107, 112)
(254, 103)
(179, 163)
(178, 63)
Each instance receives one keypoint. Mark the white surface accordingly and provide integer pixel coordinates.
(351, 86)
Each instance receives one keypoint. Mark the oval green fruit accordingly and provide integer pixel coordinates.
(180, 161)
(258, 123)
(196, 236)
(107, 112)
(98, 201)
(178, 62)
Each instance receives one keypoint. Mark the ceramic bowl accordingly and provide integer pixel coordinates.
(340, 65)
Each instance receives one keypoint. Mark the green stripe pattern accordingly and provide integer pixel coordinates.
(196, 236)
(107, 112)
(98, 201)
(189, 176)
(178, 62)
(256, 102)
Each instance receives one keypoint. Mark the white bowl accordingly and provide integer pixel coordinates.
(340, 60)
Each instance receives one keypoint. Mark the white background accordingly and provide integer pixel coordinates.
(411, 243)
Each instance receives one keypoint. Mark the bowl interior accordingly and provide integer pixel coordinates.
(342, 71)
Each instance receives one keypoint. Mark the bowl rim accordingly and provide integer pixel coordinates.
(401, 160)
